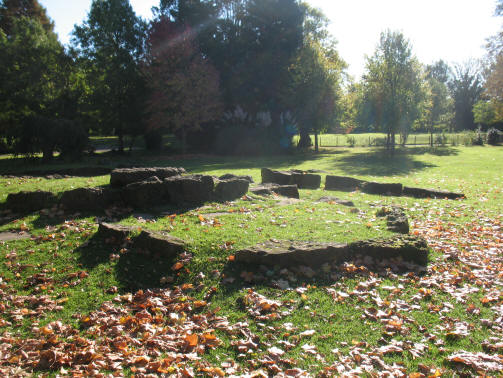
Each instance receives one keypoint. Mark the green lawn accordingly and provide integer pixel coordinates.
(333, 320)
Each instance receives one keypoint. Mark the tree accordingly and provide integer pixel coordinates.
(184, 86)
(111, 45)
(39, 93)
(10, 10)
(466, 87)
(393, 84)
(437, 109)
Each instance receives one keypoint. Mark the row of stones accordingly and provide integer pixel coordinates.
(138, 188)
(310, 180)
(282, 253)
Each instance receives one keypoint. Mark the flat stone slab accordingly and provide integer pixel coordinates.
(114, 233)
(30, 201)
(342, 183)
(430, 193)
(155, 242)
(336, 200)
(385, 189)
(125, 176)
(288, 253)
(290, 191)
(231, 189)
(349, 184)
(303, 179)
(159, 243)
(12, 236)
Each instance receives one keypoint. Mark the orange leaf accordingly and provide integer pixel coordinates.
(201, 218)
(177, 266)
(191, 340)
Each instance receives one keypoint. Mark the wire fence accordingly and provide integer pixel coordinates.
(379, 140)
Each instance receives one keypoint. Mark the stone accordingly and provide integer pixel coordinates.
(275, 177)
(125, 176)
(291, 253)
(115, 233)
(306, 180)
(342, 183)
(288, 253)
(336, 200)
(145, 194)
(30, 201)
(229, 176)
(159, 244)
(396, 219)
(195, 189)
(387, 189)
(407, 247)
(291, 191)
(302, 179)
(83, 199)
(430, 193)
(231, 189)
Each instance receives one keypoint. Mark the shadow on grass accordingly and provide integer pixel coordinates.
(135, 269)
(381, 163)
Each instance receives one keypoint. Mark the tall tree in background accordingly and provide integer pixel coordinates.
(111, 43)
(466, 87)
(316, 79)
(11, 10)
(393, 83)
(184, 86)
(437, 111)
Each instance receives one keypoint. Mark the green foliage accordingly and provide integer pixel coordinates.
(466, 88)
(184, 86)
(40, 134)
(12, 10)
(110, 44)
(393, 85)
(493, 136)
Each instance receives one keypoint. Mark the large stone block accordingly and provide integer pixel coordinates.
(144, 194)
(430, 193)
(82, 199)
(288, 253)
(125, 176)
(231, 189)
(159, 243)
(30, 201)
(276, 177)
(195, 189)
(342, 183)
(385, 189)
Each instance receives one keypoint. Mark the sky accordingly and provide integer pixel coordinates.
(452, 30)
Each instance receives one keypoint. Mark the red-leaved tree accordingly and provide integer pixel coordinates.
(184, 85)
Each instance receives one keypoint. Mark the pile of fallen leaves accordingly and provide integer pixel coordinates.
(152, 331)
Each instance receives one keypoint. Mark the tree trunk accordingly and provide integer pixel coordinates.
(184, 140)
(304, 140)
(316, 141)
(393, 143)
(120, 134)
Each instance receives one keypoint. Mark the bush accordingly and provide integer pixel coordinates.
(493, 137)
(478, 140)
(41, 134)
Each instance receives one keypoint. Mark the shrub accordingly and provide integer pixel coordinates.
(493, 136)
(41, 134)
(478, 140)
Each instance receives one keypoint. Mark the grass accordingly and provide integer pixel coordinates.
(79, 270)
